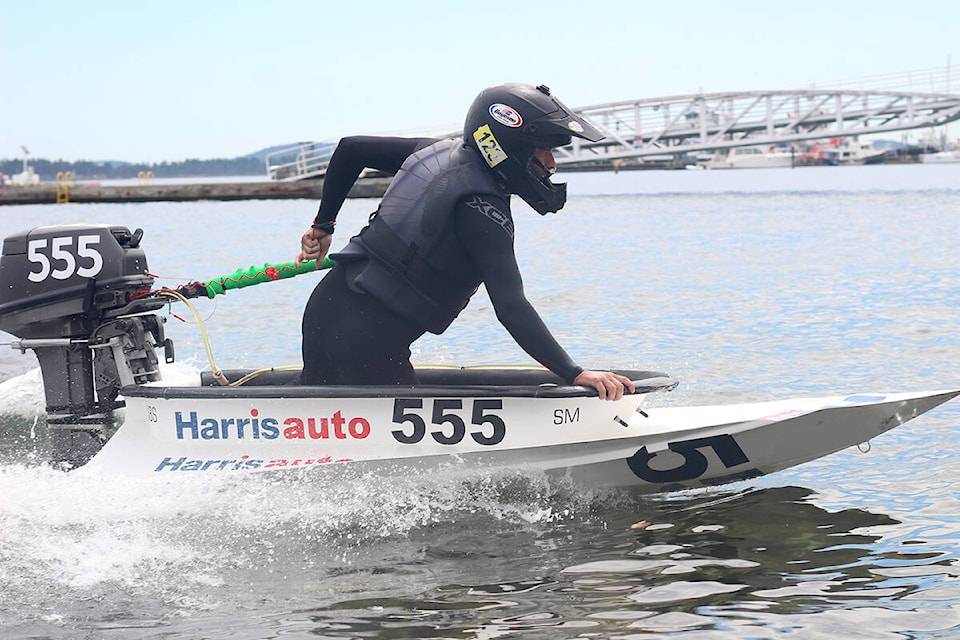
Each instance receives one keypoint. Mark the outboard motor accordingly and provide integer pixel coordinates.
(79, 297)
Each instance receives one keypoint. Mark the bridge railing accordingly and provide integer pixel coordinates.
(310, 159)
(300, 161)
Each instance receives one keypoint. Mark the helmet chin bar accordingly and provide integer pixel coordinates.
(538, 191)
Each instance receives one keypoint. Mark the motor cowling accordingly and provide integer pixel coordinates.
(78, 296)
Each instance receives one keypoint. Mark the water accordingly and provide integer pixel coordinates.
(746, 285)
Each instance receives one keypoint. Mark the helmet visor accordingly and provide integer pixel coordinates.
(564, 121)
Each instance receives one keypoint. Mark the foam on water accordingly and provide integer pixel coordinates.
(188, 537)
(23, 395)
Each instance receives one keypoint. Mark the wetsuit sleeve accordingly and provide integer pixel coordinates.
(351, 157)
(485, 228)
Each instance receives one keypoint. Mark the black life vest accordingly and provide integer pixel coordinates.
(410, 257)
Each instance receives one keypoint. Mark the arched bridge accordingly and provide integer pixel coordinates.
(651, 129)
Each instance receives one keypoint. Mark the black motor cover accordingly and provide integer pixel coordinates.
(78, 296)
(59, 281)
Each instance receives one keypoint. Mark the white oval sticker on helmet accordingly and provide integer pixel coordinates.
(507, 116)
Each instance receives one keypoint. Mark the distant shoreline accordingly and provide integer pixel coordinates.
(51, 193)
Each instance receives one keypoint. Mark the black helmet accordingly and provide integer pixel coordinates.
(509, 123)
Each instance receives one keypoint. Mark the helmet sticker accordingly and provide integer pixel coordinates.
(575, 126)
(505, 115)
(491, 150)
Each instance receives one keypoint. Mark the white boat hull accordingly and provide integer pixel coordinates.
(941, 157)
(712, 445)
(598, 443)
(751, 158)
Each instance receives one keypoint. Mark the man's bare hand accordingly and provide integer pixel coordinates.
(314, 245)
(609, 385)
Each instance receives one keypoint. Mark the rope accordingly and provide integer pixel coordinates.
(217, 374)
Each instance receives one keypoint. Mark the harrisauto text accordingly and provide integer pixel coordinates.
(255, 427)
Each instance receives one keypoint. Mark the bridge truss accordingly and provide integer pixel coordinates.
(674, 130)
(673, 127)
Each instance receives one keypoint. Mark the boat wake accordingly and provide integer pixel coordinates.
(169, 538)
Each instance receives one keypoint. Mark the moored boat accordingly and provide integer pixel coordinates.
(26, 178)
(941, 157)
(756, 157)
(843, 151)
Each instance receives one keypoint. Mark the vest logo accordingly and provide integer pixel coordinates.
(492, 212)
(507, 116)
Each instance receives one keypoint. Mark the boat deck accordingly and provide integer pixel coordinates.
(434, 382)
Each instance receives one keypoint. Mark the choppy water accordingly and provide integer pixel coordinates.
(746, 285)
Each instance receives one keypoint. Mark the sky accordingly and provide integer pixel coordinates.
(167, 81)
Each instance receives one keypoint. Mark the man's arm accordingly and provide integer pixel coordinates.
(486, 229)
(487, 232)
(352, 155)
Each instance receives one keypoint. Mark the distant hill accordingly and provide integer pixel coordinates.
(87, 170)
(251, 164)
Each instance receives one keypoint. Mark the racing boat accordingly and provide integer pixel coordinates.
(81, 298)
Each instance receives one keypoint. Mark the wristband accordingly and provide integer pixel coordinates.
(326, 227)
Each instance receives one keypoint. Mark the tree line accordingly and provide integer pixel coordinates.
(89, 170)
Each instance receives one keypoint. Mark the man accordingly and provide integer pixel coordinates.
(443, 227)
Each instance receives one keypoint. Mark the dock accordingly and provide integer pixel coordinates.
(50, 193)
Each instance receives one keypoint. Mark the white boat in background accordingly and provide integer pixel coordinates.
(26, 178)
(942, 156)
(758, 157)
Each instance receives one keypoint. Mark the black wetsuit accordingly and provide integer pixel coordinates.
(350, 338)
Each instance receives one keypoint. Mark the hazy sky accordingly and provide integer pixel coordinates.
(170, 80)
